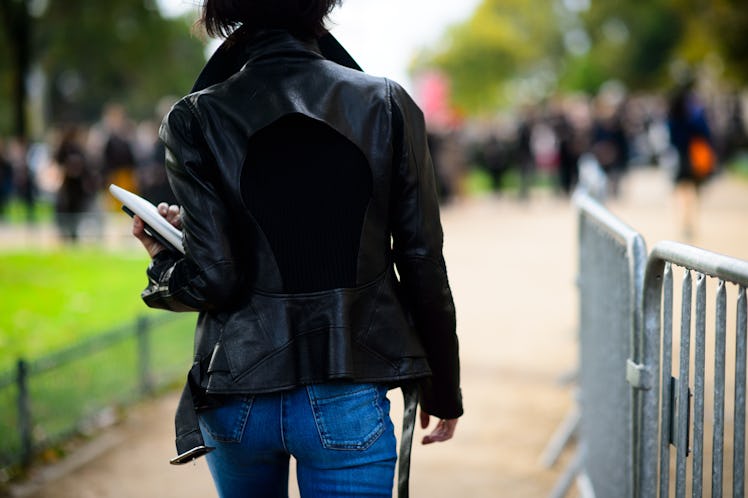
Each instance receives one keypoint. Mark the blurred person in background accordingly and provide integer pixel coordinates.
(495, 159)
(150, 172)
(78, 184)
(24, 179)
(450, 163)
(118, 156)
(524, 152)
(568, 151)
(609, 141)
(691, 137)
(736, 136)
(302, 184)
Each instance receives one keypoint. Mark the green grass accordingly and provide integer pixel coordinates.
(478, 181)
(51, 299)
(739, 165)
(16, 212)
(70, 398)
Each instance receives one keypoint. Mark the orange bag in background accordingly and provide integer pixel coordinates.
(702, 157)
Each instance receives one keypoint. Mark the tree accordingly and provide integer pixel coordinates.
(631, 42)
(731, 28)
(93, 52)
(510, 50)
(715, 29)
(505, 44)
(16, 23)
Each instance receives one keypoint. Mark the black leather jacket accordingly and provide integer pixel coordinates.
(250, 336)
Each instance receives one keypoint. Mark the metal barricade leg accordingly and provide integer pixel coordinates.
(560, 438)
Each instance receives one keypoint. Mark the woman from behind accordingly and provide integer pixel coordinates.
(313, 255)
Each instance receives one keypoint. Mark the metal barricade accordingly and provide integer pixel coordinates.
(669, 406)
(611, 270)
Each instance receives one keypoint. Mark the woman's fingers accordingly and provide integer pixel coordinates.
(444, 431)
(172, 214)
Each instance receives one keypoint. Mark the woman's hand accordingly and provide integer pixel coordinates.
(444, 430)
(172, 215)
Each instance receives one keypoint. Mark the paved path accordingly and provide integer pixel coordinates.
(512, 269)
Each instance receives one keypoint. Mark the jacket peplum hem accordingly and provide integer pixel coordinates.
(277, 341)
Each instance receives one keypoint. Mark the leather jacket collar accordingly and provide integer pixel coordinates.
(275, 43)
(240, 48)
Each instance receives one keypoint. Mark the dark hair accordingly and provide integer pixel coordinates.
(303, 18)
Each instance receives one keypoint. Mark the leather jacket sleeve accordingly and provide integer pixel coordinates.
(208, 277)
(417, 244)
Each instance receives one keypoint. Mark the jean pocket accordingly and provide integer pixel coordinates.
(226, 423)
(349, 416)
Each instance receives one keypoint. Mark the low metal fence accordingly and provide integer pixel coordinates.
(48, 399)
(611, 272)
(612, 259)
(675, 410)
(662, 374)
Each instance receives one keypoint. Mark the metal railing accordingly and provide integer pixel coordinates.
(612, 259)
(662, 374)
(665, 417)
(47, 400)
(611, 272)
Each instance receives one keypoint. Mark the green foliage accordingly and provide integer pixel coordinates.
(630, 42)
(716, 29)
(5, 85)
(93, 53)
(584, 74)
(512, 50)
(504, 40)
(53, 299)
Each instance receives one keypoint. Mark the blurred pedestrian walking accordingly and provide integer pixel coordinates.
(24, 177)
(118, 154)
(609, 141)
(691, 137)
(78, 186)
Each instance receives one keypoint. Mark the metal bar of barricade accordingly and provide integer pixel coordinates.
(718, 432)
(667, 397)
(738, 465)
(560, 438)
(699, 385)
(683, 405)
(707, 262)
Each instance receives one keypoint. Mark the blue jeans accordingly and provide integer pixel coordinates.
(340, 434)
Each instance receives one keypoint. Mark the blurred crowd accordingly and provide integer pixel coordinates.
(561, 143)
(579, 140)
(73, 166)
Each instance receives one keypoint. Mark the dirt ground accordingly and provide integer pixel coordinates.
(512, 268)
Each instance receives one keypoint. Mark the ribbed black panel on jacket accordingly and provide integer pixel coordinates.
(308, 187)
